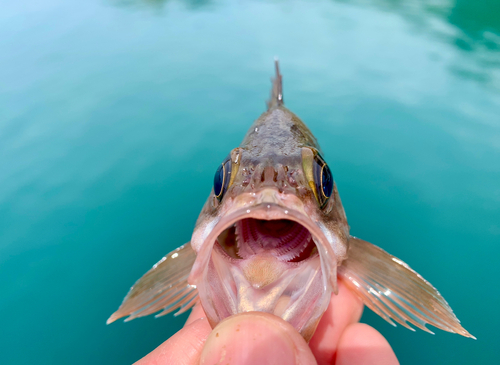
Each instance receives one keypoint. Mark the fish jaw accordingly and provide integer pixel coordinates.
(262, 280)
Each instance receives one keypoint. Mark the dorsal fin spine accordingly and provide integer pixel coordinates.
(276, 99)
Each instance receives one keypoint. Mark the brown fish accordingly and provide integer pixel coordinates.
(273, 237)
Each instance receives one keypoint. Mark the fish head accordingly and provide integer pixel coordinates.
(273, 230)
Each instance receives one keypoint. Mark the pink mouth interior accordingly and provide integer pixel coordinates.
(286, 240)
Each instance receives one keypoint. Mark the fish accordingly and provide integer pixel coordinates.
(273, 237)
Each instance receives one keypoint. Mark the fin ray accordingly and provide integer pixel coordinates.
(163, 287)
(394, 291)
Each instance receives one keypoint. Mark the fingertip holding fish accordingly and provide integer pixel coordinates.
(255, 338)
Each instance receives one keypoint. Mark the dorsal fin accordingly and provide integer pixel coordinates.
(277, 89)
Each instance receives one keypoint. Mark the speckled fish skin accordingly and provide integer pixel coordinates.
(237, 262)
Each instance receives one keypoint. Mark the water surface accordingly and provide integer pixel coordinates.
(114, 115)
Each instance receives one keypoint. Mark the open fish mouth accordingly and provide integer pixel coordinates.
(266, 258)
(265, 229)
(284, 239)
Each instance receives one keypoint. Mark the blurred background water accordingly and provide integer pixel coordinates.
(114, 115)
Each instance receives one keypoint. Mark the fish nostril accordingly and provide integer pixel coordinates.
(292, 178)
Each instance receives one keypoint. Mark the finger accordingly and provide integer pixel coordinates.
(344, 309)
(255, 338)
(183, 348)
(361, 344)
(196, 313)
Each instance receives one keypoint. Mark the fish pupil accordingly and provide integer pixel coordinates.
(323, 180)
(327, 181)
(221, 178)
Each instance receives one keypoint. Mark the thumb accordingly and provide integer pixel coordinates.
(255, 338)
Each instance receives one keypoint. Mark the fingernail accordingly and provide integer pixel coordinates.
(249, 338)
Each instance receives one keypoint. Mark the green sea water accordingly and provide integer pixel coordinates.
(114, 115)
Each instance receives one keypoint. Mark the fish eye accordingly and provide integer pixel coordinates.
(323, 179)
(318, 175)
(222, 178)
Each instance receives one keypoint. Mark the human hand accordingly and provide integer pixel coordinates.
(262, 338)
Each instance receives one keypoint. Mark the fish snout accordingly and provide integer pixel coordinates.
(271, 198)
(268, 196)
(278, 176)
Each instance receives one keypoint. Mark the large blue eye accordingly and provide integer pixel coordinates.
(323, 180)
(222, 178)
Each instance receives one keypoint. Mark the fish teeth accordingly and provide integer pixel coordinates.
(251, 241)
(290, 255)
(244, 242)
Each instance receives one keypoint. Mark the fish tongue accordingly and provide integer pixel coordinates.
(262, 270)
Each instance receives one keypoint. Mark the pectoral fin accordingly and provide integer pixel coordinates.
(390, 288)
(164, 287)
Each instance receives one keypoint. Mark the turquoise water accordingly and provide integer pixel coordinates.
(114, 115)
